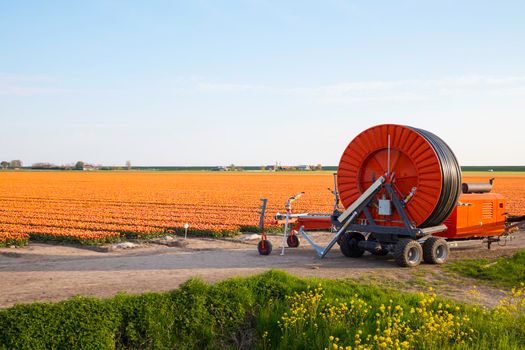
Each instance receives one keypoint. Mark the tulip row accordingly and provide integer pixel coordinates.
(101, 207)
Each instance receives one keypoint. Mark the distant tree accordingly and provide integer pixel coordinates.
(128, 164)
(4, 164)
(79, 165)
(17, 163)
(43, 166)
(319, 167)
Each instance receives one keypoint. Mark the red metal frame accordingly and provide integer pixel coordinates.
(311, 224)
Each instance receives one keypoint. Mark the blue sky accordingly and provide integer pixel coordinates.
(254, 82)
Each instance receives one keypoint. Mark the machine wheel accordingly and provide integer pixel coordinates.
(292, 241)
(348, 244)
(264, 247)
(408, 253)
(435, 250)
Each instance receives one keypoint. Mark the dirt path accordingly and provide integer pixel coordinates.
(44, 272)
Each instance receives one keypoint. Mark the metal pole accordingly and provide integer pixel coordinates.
(263, 210)
(388, 161)
(285, 235)
(261, 221)
(336, 193)
(186, 230)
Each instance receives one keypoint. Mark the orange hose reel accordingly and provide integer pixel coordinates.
(418, 159)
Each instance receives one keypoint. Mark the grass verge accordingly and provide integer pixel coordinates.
(504, 271)
(272, 310)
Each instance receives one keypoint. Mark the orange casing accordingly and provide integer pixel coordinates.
(476, 215)
(313, 224)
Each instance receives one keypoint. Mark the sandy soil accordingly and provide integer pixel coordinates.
(43, 272)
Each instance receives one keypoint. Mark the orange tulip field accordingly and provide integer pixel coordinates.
(98, 207)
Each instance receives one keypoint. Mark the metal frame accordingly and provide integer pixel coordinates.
(385, 235)
(347, 217)
(264, 201)
(407, 230)
(287, 227)
(287, 219)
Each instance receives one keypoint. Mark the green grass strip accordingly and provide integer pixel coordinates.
(273, 310)
(504, 271)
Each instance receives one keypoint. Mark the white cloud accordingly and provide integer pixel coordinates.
(382, 90)
(26, 86)
(225, 87)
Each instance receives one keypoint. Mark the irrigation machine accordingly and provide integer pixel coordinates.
(401, 193)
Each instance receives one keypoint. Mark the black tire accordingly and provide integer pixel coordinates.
(435, 251)
(267, 249)
(408, 252)
(348, 244)
(293, 241)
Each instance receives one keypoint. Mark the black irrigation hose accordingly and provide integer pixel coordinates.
(451, 175)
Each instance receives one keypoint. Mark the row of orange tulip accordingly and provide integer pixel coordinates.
(102, 206)
(13, 238)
